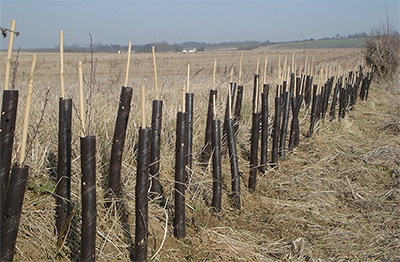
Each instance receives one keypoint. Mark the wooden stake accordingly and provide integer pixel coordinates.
(279, 69)
(284, 68)
(258, 65)
(128, 62)
(256, 102)
(265, 70)
(293, 62)
(231, 80)
(305, 66)
(183, 98)
(24, 135)
(320, 80)
(9, 52)
(188, 79)
(155, 72)
(240, 68)
(215, 68)
(81, 105)
(312, 66)
(143, 116)
(214, 106)
(303, 83)
(62, 62)
(230, 100)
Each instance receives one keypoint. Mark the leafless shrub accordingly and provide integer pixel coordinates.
(382, 51)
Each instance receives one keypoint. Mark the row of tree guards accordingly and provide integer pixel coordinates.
(334, 87)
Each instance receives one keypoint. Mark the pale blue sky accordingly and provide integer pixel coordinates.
(119, 22)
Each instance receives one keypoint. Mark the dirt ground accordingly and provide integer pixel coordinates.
(336, 197)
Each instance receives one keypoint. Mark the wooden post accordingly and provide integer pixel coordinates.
(265, 71)
(188, 78)
(215, 68)
(81, 105)
(183, 98)
(27, 110)
(155, 72)
(305, 65)
(128, 63)
(143, 118)
(9, 52)
(62, 62)
(230, 98)
(279, 69)
(240, 68)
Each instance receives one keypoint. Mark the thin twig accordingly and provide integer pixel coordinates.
(15, 70)
(36, 130)
(90, 83)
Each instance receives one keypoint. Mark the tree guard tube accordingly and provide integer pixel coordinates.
(88, 188)
(255, 88)
(314, 106)
(114, 180)
(334, 101)
(63, 189)
(233, 157)
(294, 137)
(141, 196)
(155, 145)
(238, 108)
(275, 133)
(216, 160)
(232, 86)
(264, 129)
(12, 211)
(7, 127)
(189, 130)
(285, 122)
(206, 152)
(255, 130)
(180, 162)
(307, 91)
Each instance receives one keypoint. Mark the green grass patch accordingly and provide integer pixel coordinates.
(328, 43)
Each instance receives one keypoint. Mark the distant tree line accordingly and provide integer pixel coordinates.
(159, 46)
(165, 47)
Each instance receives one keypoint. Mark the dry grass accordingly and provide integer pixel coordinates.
(336, 197)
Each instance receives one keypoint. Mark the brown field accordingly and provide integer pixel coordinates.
(304, 211)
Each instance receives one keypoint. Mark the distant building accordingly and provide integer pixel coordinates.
(188, 50)
(125, 51)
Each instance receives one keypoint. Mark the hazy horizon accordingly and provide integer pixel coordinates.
(142, 22)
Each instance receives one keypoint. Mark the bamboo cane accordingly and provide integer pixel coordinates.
(183, 98)
(293, 61)
(265, 71)
(155, 72)
(279, 69)
(188, 79)
(62, 63)
(215, 68)
(128, 63)
(312, 66)
(240, 68)
(9, 52)
(230, 98)
(27, 110)
(143, 115)
(305, 65)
